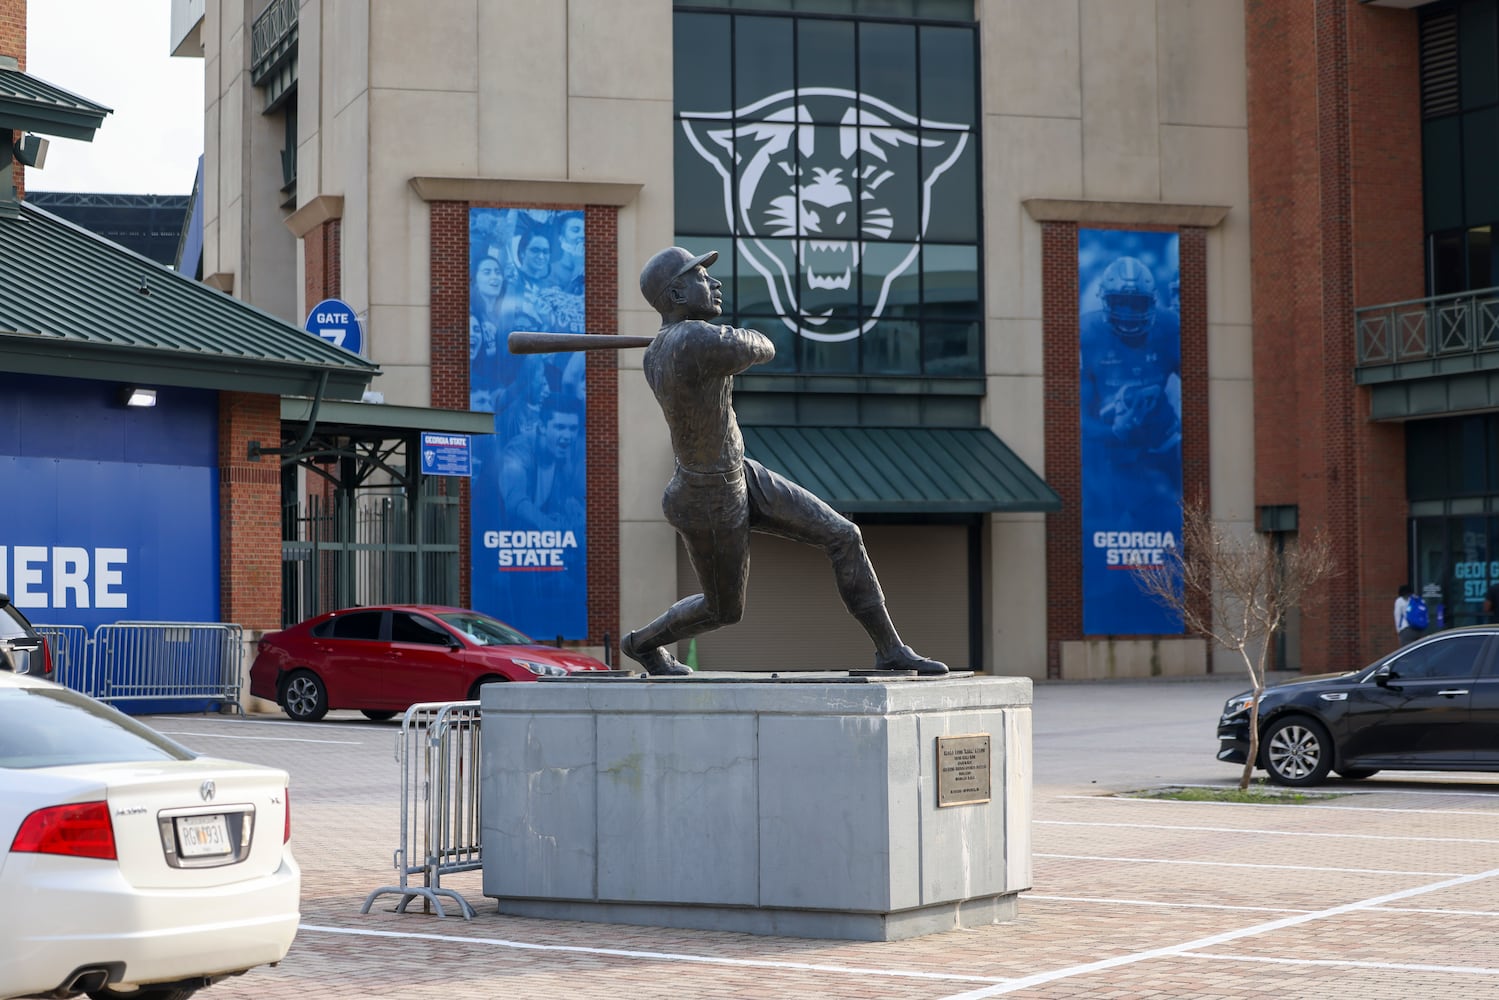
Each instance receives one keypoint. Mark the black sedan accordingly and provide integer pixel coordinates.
(1429, 706)
(21, 649)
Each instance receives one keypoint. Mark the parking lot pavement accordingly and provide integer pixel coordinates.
(1390, 889)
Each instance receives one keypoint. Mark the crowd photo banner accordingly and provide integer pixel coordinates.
(1129, 360)
(529, 487)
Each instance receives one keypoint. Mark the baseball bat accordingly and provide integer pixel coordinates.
(546, 343)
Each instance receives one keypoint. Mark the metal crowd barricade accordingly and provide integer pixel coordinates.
(141, 661)
(70, 663)
(439, 752)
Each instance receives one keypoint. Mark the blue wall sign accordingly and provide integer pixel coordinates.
(334, 321)
(1130, 395)
(446, 455)
(529, 506)
(119, 517)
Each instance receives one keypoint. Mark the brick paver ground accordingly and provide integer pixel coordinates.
(1389, 891)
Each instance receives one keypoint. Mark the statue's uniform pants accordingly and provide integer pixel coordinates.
(715, 513)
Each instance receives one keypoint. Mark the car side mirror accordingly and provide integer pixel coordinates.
(1385, 675)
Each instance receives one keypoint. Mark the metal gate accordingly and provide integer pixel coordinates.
(373, 546)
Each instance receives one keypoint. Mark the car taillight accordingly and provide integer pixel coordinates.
(286, 833)
(80, 830)
(46, 657)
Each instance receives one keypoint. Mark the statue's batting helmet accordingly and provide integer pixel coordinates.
(667, 266)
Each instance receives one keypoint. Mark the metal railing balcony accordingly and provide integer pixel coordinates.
(1459, 326)
(273, 39)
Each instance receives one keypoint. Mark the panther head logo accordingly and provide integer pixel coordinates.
(804, 198)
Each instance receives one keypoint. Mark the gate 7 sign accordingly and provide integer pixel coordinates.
(334, 321)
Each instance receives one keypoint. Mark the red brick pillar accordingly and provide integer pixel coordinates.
(249, 511)
(322, 253)
(13, 43)
(1335, 198)
(1063, 468)
(601, 275)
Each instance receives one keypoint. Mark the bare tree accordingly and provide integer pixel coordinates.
(1236, 589)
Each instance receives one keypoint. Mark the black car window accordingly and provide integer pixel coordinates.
(358, 625)
(413, 628)
(53, 726)
(13, 624)
(1452, 657)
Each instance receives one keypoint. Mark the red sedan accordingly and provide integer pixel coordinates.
(383, 660)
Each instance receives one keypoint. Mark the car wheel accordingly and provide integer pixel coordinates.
(1297, 751)
(1358, 773)
(144, 993)
(473, 692)
(304, 697)
(374, 716)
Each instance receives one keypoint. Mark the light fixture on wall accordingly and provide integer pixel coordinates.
(31, 150)
(134, 395)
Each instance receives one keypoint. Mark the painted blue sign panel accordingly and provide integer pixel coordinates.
(334, 321)
(1130, 397)
(530, 523)
(113, 541)
(446, 455)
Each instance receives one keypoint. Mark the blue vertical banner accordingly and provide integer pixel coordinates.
(1129, 362)
(529, 490)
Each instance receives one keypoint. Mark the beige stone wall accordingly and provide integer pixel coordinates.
(246, 248)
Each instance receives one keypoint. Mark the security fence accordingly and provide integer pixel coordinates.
(69, 645)
(379, 547)
(137, 663)
(439, 752)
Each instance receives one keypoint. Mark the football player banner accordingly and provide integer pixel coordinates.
(1129, 356)
(529, 525)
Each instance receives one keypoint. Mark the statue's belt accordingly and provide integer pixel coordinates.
(724, 477)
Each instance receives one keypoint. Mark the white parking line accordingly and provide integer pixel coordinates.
(1470, 970)
(1110, 901)
(258, 739)
(1268, 833)
(657, 956)
(1307, 805)
(1436, 912)
(1244, 864)
(1174, 951)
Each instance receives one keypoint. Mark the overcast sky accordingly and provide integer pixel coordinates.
(117, 53)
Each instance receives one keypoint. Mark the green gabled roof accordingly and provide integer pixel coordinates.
(72, 303)
(34, 105)
(902, 470)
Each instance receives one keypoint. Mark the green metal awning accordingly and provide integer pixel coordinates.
(903, 470)
(375, 418)
(34, 105)
(75, 304)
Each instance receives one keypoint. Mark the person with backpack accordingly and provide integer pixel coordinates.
(1411, 617)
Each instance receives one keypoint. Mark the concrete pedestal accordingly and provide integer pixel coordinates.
(807, 806)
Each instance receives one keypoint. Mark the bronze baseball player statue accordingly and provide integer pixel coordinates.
(717, 496)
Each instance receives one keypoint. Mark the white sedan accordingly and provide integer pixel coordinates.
(129, 865)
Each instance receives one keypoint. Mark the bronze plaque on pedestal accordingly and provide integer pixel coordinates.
(963, 769)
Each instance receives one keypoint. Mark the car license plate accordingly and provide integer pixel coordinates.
(202, 836)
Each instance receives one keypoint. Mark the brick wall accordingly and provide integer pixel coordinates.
(1335, 196)
(322, 256)
(449, 331)
(601, 275)
(1064, 541)
(1059, 323)
(249, 512)
(13, 43)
